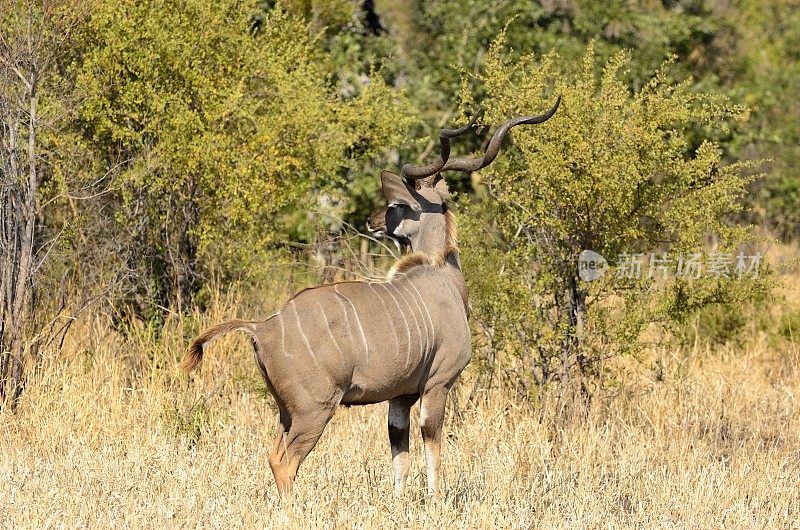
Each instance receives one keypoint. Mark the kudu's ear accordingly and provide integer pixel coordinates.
(397, 190)
(441, 188)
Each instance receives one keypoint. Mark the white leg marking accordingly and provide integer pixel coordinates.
(358, 321)
(405, 321)
(430, 464)
(399, 463)
(302, 333)
(430, 321)
(328, 329)
(399, 418)
(390, 320)
(430, 458)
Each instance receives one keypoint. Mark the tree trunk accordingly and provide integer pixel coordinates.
(23, 290)
(573, 319)
(35, 33)
(23, 225)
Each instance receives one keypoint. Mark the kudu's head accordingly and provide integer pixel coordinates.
(416, 213)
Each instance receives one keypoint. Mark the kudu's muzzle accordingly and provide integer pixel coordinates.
(376, 223)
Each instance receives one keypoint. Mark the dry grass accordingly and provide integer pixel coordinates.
(110, 433)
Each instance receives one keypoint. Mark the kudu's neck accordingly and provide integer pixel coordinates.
(431, 241)
(438, 240)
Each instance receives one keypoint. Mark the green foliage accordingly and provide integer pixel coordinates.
(457, 32)
(220, 131)
(437, 41)
(744, 49)
(614, 171)
(763, 70)
(189, 145)
(719, 324)
(321, 15)
(789, 326)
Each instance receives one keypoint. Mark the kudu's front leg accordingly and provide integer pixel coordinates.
(431, 422)
(399, 427)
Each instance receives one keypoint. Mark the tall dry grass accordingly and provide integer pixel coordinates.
(110, 433)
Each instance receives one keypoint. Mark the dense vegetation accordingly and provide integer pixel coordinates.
(155, 152)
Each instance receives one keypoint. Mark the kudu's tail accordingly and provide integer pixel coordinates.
(195, 353)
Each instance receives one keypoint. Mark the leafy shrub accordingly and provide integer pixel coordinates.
(616, 172)
(219, 129)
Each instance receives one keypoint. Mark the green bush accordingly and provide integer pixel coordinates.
(222, 129)
(616, 172)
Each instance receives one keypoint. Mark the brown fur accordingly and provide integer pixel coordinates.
(409, 261)
(195, 353)
(451, 234)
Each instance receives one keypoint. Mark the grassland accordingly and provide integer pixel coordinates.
(111, 434)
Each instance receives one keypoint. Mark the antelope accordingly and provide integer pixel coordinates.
(362, 342)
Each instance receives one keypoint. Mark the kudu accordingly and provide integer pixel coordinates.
(362, 342)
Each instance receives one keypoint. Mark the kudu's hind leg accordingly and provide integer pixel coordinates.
(399, 426)
(278, 452)
(431, 422)
(295, 444)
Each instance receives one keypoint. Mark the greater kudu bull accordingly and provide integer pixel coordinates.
(356, 343)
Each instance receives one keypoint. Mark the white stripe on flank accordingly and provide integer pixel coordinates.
(411, 310)
(347, 321)
(428, 313)
(408, 329)
(302, 333)
(389, 318)
(430, 321)
(358, 321)
(419, 308)
(283, 336)
(328, 329)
